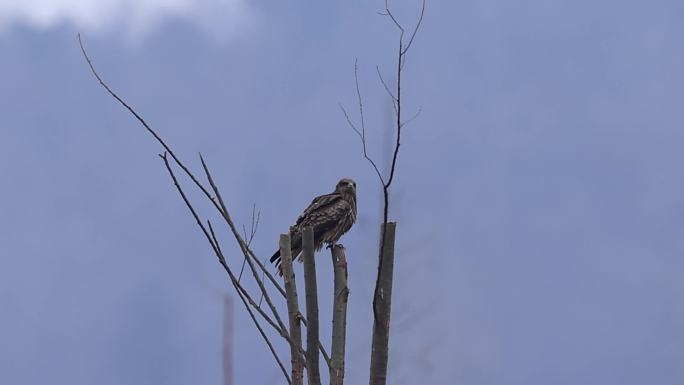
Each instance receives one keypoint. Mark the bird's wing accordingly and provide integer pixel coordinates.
(318, 205)
(326, 218)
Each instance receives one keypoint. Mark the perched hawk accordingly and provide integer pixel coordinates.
(330, 216)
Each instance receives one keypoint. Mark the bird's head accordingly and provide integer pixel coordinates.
(346, 186)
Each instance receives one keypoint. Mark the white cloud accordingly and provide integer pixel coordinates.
(133, 17)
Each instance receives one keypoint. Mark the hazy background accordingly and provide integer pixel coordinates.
(540, 195)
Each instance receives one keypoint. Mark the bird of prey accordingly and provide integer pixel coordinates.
(330, 216)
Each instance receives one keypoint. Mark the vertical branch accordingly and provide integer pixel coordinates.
(227, 340)
(292, 310)
(382, 297)
(339, 323)
(395, 96)
(383, 303)
(311, 293)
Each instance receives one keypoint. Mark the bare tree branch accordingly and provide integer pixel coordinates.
(292, 310)
(415, 30)
(386, 87)
(254, 225)
(249, 256)
(420, 109)
(240, 289)
(398, 126)
(311, 294)
(400, 60)
(339, 322)
(220, 207)
(388, 12)
(130, 109)
(185, 169)
(250, 238)
(222, 210)
(325, 355)
(219, 254)
(396, 103)
(243, 241)
(362, 133)
(383, 283)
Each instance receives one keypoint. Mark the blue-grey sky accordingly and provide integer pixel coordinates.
(540, 195)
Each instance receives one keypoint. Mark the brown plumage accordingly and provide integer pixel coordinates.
(330, 216)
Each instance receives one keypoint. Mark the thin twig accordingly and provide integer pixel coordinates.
(404, 123)
(243, 246)
(248, 253)
(400, 63)
(250, 238)
(130, 109)
(362, 132)
(239, 288)
(388, 12)
(386, 87)
(255, 224)
(249, 256)
(261, 298)
(415, 30)
(383, 282)
(242, 269)
(185, 169)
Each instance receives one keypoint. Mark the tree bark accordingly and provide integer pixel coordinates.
(382, 307)
(311, 293)
(292, 311)
(227, 340)
(339, 323)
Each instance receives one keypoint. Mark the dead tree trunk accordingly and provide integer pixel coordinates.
(383, 307)
(339, 322)
(227, 340)
(311, 293)
(292, 311)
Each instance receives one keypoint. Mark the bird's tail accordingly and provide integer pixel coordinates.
(296, 248)
(276, 259)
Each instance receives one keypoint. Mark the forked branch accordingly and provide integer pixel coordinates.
(395, 97)
(216, 199)
(213, 242)
(383, 282)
